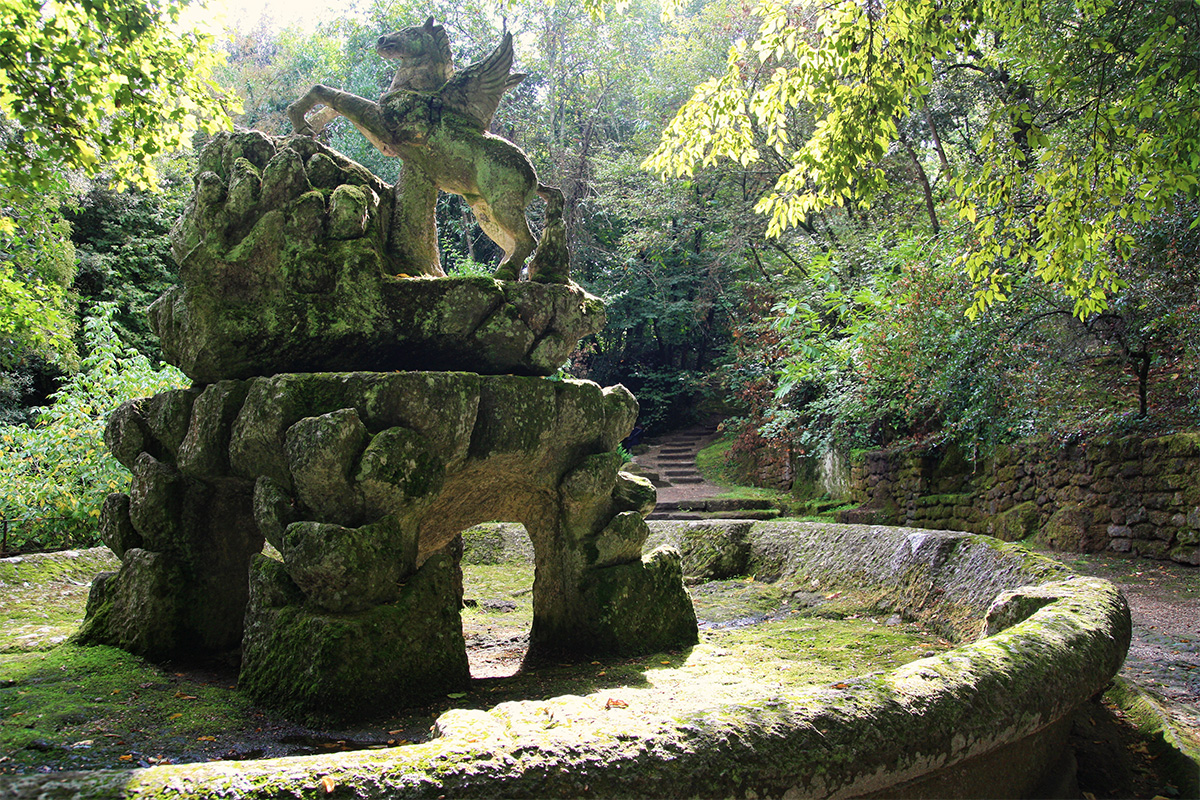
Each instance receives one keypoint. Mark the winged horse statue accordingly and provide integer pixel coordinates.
(436, 119)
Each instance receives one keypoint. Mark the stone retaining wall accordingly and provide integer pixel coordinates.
(1128, 495)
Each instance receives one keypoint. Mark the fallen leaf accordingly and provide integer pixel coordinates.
(206, 738)
(116, 691)
(595, 663)
(840, 686)
(127, 757)
(393, 733)
(668, 663)
(328, 784)
(615, 703)
(457, 695)
(182, 696)
(176, 715)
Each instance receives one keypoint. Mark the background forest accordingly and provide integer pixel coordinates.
(834, 226)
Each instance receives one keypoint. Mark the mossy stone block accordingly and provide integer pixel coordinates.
(1016, 523)
(321, 452)
(138, 608)
(620, 542)
(350, 569)
(398, 473)
(116, 529)
(306, 661)
(640, 607)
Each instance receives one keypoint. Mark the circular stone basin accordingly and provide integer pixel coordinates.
(987, 718)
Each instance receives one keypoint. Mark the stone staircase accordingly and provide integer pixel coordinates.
(669, 463)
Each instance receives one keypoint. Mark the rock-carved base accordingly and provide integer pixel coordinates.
(290, 260)
(362, 482)
(305, 660)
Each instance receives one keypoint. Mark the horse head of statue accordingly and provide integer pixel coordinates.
(422, 53)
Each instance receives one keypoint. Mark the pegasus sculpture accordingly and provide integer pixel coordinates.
(436, 119)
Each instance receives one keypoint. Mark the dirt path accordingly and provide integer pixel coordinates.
(1164, 602)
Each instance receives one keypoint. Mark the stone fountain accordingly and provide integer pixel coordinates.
(357, 410)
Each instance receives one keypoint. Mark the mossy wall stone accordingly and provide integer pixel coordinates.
(1128, 495)
(308, 661)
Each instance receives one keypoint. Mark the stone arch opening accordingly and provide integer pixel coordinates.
(497, 613)
(361, 481)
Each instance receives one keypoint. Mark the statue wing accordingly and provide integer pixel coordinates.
(475, 92)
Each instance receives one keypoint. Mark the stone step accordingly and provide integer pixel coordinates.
(696, 515)
(717, 505)
(688, 479)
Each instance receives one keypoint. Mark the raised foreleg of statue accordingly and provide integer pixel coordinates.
(363, 113)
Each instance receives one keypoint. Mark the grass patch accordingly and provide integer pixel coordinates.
(98, 707)
(713, 463)
(42, 596)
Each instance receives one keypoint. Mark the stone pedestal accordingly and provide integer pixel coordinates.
(361, 481)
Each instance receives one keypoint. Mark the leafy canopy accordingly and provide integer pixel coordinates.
(1088, 115)
(97, 85)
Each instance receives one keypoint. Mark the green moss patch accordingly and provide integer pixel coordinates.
(98, 707)
(42, 596)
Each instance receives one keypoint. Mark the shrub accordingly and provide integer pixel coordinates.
(56, 472)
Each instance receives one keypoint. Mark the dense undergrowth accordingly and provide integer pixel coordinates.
(56, 471)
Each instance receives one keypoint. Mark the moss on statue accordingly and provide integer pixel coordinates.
(288, 264)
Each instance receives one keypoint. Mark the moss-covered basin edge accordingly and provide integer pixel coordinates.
(990, 710)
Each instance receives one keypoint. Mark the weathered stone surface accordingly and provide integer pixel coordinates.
(1016, 523)
(156, 495)
(1069, 528)
(116, 529)
(138, 608)
(125, 434)
(360, 480)
(621, 540)
(204, 451)
(710, 549)
(277, 277)
(321, 452)
(350, 569)
(310, 662)
(639, 608)
(635, 493)
(398, 472)
(274, 510)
